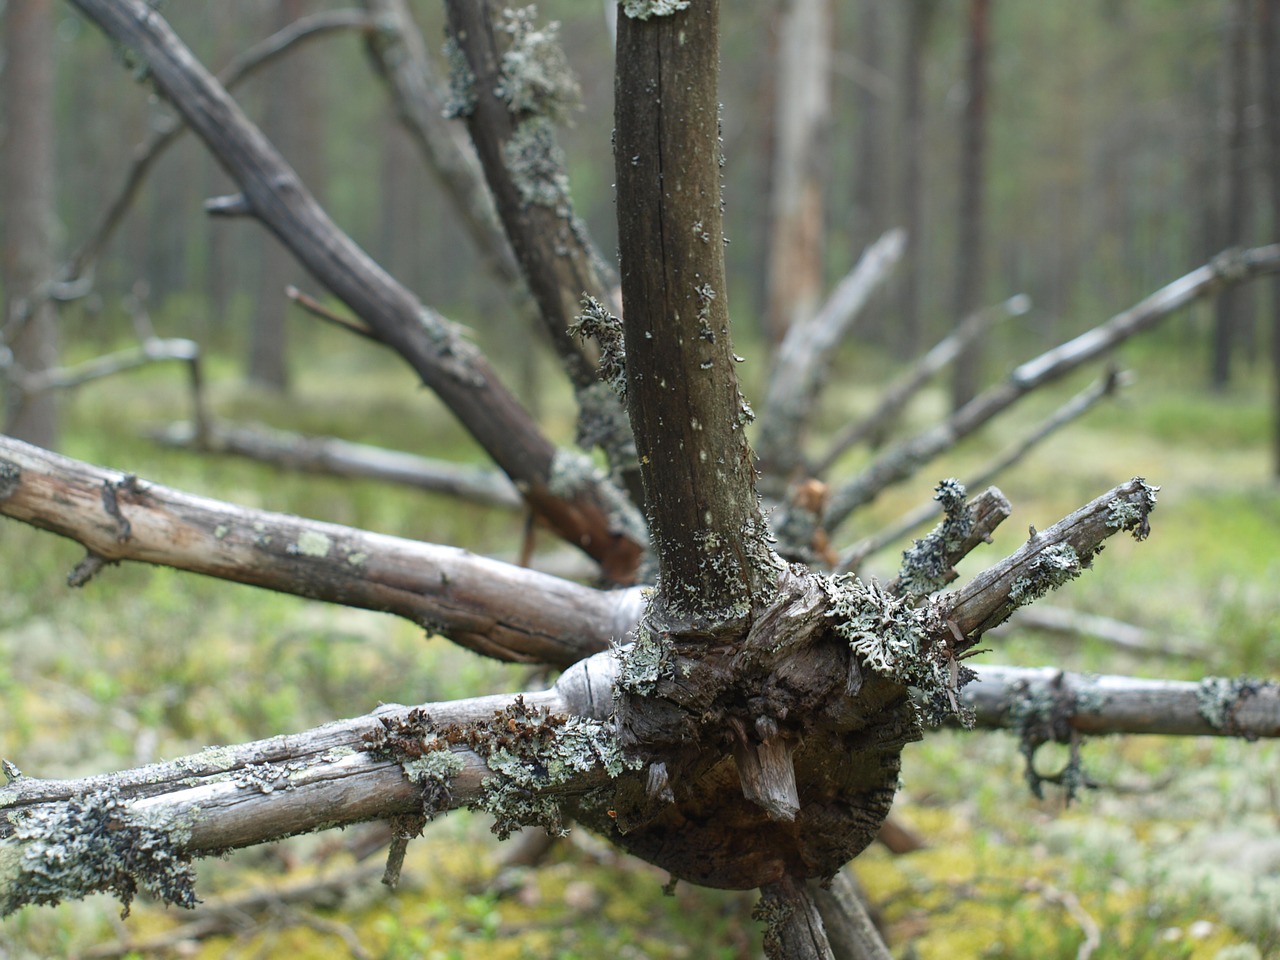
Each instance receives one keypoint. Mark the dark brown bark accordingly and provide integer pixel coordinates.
(578, 505)
(28, 325)
(970, 250)
(682, 390)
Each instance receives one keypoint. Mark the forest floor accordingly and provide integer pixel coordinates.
(1176, 854)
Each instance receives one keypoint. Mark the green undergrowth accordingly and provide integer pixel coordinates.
(1168, 858)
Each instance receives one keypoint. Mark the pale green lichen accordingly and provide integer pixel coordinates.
(10, 477)
(96, 844)
(1217, 699)
(220, 531)
(644, 9)
(357, 559)
(927, 565)
(461, 101)
(535, 74)
(1053, 566)
(312, 544)
(1128, 514)
(434, 772)
(573, 472)
(537, 164)
(644, 662)
(599, 324)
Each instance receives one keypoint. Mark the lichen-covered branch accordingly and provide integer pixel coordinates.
(793, 926)
(493, 608)
(1074, 408)
(876, 425)
(804, 358)
(581, 506)
(517, 757)
(904, 459)
(341, 458)
(682, 392)
(1048, 704)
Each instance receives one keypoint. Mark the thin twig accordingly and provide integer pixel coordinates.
(318, 309)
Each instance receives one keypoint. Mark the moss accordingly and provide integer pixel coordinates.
(97, 844)
(644, 9)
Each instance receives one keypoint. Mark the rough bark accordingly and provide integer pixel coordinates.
(794, 926)
(970, 250)
(28, 329)
(577, 503)
(904, 459)
(682, 392)
(850, 929)
(493, 608)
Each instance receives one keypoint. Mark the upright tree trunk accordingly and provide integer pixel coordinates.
(803, 109)
(28, 326)
(919, 17)
(970, 233)
(1269, 42)
(1228, 310)
(291, 122)
(868, 187)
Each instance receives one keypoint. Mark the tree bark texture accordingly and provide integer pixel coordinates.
(682, 391)
(28, 326)
(1269, 41)
(580, 506)
(971, 221)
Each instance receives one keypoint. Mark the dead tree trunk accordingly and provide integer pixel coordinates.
(27, 327)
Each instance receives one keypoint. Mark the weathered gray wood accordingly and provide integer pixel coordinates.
(493, 608)
(581, 506)
(904, 459)
(850, 929)
(341, 458)
(794, 926)
(1060, 703)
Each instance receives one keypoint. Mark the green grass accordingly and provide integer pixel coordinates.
(145, 663)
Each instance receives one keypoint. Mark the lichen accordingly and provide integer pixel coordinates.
(10, 477)
(535, 74)
(1041, 713)
(1125, 514)
(1053, 566)
(597, 323)
(927, 565)
(97, 843)
(461, 101)
(537, 164)
(572, 472)
(311, 544)
(644, 662)
(1218, 699)
(644, 9)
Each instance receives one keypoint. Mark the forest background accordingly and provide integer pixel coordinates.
(1109, 173)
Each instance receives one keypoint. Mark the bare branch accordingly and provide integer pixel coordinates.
(849, 926)
(1059, 704)
(146, 153)
(804, 358)
(876, 425)
(1124, 636)
(580, 505)
(795, 930)
(1074, 408)
(333, 457)
(493, 608)
(904, 459)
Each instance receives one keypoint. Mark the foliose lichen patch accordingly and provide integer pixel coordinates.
(1052, 567)
(926, 565)
(10, 477)
(96, 844)
(644, 9)
(461, 101)
(1123, 514)
(535, 74)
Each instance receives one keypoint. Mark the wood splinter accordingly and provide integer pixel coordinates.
(765, 769)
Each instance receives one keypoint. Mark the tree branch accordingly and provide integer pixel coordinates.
(502, 611)
(682, 391)
(794, 927)
(341, 458)
(903, 460)
(804, 358)
(578, 503)
(517, 757)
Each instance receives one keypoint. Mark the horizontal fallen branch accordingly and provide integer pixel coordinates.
(493, 608)
(342, 458)
(1125, 636)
